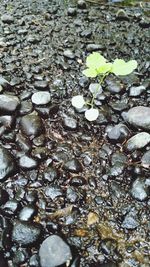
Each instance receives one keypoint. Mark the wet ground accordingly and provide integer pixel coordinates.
(86, 182)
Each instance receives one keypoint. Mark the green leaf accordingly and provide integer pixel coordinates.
(95, 60)
(91, 73)
(120, 67)
(104, 68)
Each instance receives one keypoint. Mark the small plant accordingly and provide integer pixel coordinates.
(97, 66)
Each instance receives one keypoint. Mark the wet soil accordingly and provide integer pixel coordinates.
(60, 174)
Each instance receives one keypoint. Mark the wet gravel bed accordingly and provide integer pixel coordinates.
(73, 193)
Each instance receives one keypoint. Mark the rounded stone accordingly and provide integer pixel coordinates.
(7, 163)
(54, 252)
(41, 98)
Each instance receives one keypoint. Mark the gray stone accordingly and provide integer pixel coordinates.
(130, 222)
(7, 163)
(138, 141)
(31, 124)
(70, 123)
(73, 165)
(69, 54)
(136, 90)
(139, 117)
(139, 190)
(41, 98)
(145, 160)
(28, 163)
(7, 18)
(54, 252)
(8, 103)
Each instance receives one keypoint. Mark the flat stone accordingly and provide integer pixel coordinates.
(54, 252)
(69, 54)
(8, 103)
(136, 90)
(41, 98)
(139, 117)
(26, 162)
(7, 163)
(138, 141)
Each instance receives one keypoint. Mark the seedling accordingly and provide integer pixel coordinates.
(97, 66)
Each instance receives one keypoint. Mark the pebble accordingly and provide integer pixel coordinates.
(136, 90)
(8, 103)
(72, 11)
(113, 85)
(145, 160)
(94, 47)
(25, 233)
(139, 191)
(138, 141)
(53, 192)
(118, 133)
(69, 54)
(31, 124)
(139, 117)
(73, 165)
(41, 98)
(7, 18)
(129, 222)
(4, 83)
(70, 123)
(7, 163)
(41, 85)
(28, 163)
(10, 207)
(27, 213)
(54, 252)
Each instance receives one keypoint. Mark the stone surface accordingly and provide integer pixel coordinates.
(139, 117)
(7, 163)
(138, 141)
(8, 103)
(139, 191)
(31, 124)
(54, 252)
(73, 165)
(41, 98)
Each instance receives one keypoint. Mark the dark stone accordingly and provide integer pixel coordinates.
(73, 165)
(8, 103)
(7, 163)
(32, 125)
(70, 123)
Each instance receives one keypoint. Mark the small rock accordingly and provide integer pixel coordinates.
(118, 132)
(27, 213)
(138, 141)
(129, 222)
(25, 233)
(53, 192)
(28, 163)
(139, 117)
(92, 218)
(70, 123)
(121, 14)
(94, 47)
(7, 18)
(41, 98)
(7, 163)
(72, 11)
(31, 124)
(73, 165)
(4, 83)
(81, 4)
(8, 103)
(54, 252)
(41, 85)
(145, 160)
(69, 54)
(139, 190)
(136, 90)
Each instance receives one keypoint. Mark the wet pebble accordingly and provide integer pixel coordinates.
(118, 133)
(94, 47)
(54, 252)
(70, 123)
(73, 165)
(41, 98)
(145, 160)
(25, 233)
(27, 213)
(8, 103)
(7, 163)
(50, 174)
(7, 18)
(31, 124)
(136, 90)
(138, 141)
(139, 116)
(139, 190)
(28, 163)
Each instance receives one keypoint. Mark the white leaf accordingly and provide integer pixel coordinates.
(78, 101)
(91, 114)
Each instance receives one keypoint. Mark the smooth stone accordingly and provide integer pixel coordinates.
(81, 4)
(145, 160)
(25, 233)
(118, 132)
(31, 124)
(136, 90)
(139, 190)
(41, 98)
(94, 47)
(7, 120)
(71, 11)
(7, 18)
(8, 103)
(54, 252)
(70, 123)
(28, 163)
(113, 85)
(7, 163)
(10, 207)
(41, 85)
(69, 54)
(53, 192)
(73, 165)
(139, 117)
(138, 141)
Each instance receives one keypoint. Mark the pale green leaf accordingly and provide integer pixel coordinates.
(95, 60)
(120, 67)
(91, 114)
(91, 73)
(105, 68)
(78, 101)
